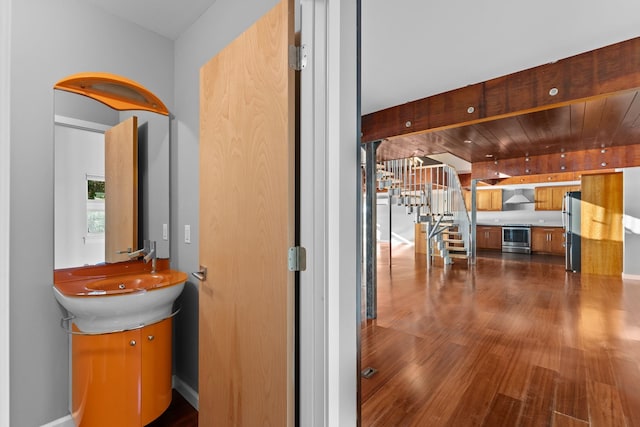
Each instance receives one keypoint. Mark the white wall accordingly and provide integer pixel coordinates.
(51, 40)
(402, 224)
(5, 177)
(450, 44)
(78, 153)
(631, 220)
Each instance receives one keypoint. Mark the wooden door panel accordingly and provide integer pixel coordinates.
(121, 189)
(247, 182)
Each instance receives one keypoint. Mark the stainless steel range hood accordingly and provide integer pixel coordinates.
(517, 198)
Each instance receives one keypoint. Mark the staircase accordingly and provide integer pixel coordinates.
(434, 195)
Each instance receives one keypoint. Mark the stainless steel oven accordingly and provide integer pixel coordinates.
(516, 238)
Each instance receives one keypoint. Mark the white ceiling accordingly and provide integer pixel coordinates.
(412, 49)
(166, 17)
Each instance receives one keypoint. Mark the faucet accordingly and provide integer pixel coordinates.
(151, 254)
(148, 252)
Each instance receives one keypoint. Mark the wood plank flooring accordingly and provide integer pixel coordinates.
(179, 414)
(517, 342)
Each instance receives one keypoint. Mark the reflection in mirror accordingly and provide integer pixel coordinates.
(82, 193)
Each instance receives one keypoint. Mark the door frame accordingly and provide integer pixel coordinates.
(5, 189)
(329, 215)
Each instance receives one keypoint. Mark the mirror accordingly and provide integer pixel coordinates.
(81, 192)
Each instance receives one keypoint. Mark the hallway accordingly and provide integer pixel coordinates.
(506, 343)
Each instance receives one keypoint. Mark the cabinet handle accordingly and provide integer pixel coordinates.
(150, 337)
(132, 343)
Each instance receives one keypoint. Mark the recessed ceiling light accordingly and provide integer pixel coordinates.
(488, 155)
(467, 141)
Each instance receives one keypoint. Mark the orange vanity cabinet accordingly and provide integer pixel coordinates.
(123, 378)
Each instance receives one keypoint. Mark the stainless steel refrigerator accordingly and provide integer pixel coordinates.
(571, 224)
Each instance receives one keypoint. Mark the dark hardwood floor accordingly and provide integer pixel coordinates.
(517, 342)
(513, 341)
(179, 414)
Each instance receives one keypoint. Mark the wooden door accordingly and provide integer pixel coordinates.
(601, 224)
(121, 189)
(246, 304)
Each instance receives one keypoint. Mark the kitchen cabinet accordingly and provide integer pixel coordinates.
(489, 200)
(488, 237)
(466, 194)
(550, 198)
(121, 378)
(548, 240)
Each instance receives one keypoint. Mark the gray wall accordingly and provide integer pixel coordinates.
(222, 23)
(631, 177)
(51, 40)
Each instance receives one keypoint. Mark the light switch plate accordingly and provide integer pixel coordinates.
(165, 232)
(187, 234)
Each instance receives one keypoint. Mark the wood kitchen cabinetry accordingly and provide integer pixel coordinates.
(488, 237)
(550, 198)
(548, 240)
(489, 200)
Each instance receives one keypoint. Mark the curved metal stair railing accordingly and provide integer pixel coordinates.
(434, 195)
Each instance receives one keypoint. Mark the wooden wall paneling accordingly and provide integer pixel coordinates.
(601, 224)
(578, 78)
(551, 164)
(421, 110)
(612, 73)
(454, 106)
(520, 93)
(388, 122)
(600, 72)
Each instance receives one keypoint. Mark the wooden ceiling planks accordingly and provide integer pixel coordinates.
(514, 116)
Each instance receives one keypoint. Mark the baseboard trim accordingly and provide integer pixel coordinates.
(189, 394)
(61, 422)
(630, 276)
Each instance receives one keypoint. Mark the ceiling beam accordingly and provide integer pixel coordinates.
(603, 159)
(593, 74)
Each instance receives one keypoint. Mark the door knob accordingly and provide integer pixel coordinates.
(201, 275)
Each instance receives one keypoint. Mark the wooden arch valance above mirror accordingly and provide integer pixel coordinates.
(115, 91)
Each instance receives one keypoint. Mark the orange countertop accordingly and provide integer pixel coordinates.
(115, 279)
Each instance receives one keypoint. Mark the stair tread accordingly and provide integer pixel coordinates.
(459, 256)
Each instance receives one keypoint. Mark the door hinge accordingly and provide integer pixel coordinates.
(298, 57)
(297, 258)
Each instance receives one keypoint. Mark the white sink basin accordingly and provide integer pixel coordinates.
(120, 303)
